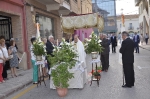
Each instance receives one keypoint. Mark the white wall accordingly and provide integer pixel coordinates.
(135, 24)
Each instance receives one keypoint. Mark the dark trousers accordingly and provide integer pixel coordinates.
(48, 64)
(113, 48)
(4, 74)
(128, 69)
(136, 47)
(146, 40)
(105, 61)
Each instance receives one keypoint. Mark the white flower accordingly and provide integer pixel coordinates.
(54, 49)
(99, 41)
(90, 36)
(89, 40)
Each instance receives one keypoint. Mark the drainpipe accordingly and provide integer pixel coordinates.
(25, 34)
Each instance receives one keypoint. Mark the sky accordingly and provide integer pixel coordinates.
(128, 7)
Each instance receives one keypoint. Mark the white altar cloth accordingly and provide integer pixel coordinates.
(79, 77)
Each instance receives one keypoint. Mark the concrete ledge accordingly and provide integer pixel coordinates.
(15, 84)
(17, 88)
(145, 48)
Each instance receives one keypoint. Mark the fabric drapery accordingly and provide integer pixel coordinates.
(69, 24)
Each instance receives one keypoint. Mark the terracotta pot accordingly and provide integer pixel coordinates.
(97, 77)
(38, 58)
(94, 55)
(62, 92)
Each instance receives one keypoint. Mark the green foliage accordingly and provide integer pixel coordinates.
(99, 68)
(38, 48)
(96, 73)
(93, 45)
(63, 60)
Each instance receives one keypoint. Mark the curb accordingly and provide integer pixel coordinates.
(144, 48)
(10, 92)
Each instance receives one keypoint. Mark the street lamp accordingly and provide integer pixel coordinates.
(37, 18)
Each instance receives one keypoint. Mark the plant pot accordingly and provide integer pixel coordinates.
(38, 58)
(97, 76)
(62, 92)
(94, 55)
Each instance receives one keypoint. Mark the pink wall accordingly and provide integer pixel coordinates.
(84, 33)
(16, 7)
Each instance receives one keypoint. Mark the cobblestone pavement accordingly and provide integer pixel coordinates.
(110, 83)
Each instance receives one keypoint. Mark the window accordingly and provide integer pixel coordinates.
(87, 10)
(130, 25)
(46, 26)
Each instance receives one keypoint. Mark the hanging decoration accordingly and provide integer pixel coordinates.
(71, 23)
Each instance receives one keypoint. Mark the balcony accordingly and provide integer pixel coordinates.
(49, 1)
(137, 2)
(131, 28)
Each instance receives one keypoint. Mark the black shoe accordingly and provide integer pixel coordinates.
(106, 70)
(17, 67)
(125, 86)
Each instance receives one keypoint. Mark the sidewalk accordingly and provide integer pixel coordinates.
(144, 46)
(14, 84)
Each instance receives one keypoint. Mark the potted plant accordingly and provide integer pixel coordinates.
(99, 69)
(38, 50)
(63, 60)
(96, 75)
(93, 46)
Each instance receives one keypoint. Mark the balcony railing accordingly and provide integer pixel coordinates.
(137, 2)
(130, 28)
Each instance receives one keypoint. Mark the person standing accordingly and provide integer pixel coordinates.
(146, 38)
(113, 43)
(136, 40)
(127, 51)
(5, 54)
(2, 61)
(33, 60)
(105, 53)
(14, 62)
(50, 47)
(79, 47)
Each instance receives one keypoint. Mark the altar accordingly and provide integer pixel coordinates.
(80, 77)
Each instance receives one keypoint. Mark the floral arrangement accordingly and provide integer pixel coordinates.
(93, 44)
(99, 70)
(63, 60)
(39, 48)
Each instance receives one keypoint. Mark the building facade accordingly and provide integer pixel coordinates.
(144, 15)
(131, 23)
(13, 24)
(18, 19)
(86, 6)
(107, 8)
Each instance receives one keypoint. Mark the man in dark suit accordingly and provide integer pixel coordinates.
(50, 47)
(127, 51)
(113, 43)
(105, 52)
(136, 40)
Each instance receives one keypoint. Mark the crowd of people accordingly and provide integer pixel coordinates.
(8, 58)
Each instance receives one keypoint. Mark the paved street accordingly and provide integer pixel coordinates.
(110, 83)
